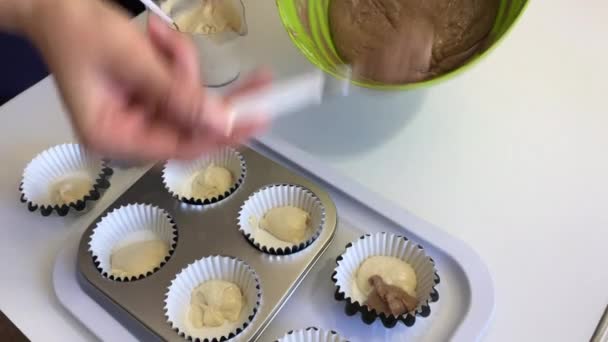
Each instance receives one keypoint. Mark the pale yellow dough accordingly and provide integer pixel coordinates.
(138, 258)
(211, 16)
(288, 223)
(211, 182)
(392, 270)
(70, 190)
(215, 302)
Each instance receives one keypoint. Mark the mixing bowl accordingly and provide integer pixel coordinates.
(307, 23)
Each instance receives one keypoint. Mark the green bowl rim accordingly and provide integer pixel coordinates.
(417, 85)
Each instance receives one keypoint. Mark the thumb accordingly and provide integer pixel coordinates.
(148, 74)
(187, 98)
(177, 48)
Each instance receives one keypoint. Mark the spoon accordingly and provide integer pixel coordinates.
(152, 6)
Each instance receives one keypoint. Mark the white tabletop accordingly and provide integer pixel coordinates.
(509, 157)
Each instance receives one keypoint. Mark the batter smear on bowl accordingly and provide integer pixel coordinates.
(404, 41)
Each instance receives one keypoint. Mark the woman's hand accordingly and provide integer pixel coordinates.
(131, 95)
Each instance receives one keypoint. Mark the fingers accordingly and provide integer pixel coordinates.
(176, 47)
(147, 74)
(245, 130)
(132, 134)
(187, 103)
(194, 146)
(241, 130)
(184, 101)
(259, 79)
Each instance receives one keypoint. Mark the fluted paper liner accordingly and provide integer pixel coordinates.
(272, 196)
(312, 334)
(177, 300)
(179, 175)
(129, 224)
(385, 244)
(56, 164)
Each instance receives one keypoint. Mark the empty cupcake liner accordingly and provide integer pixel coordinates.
(385, 244)
(312, 334)
(126, 225)
(179, 175)
(63, 164)
(272, 196)
(177, 300)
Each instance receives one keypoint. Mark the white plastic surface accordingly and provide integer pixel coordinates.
(101, 323)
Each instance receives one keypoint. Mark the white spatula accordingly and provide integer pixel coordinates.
(152, 6)
(291, 95)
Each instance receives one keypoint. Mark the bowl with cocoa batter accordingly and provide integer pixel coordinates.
(397, 44)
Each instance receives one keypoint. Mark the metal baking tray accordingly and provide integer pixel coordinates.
(205, 231)
(462, 313)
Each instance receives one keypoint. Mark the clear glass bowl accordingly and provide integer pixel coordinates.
(307, 23)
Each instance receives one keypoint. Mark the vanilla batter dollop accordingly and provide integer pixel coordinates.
(393, 271)
(211, 182)
(71, 189)
(287, 223)
(215, 302)
(137, 258)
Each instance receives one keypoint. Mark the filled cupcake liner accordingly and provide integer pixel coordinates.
(312, 334)
(272, 196)
(177, 300)
(58, 163)
(385, 244)
(129, 224)
(178, 175)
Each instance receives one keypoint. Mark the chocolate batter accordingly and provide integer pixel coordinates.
(401, 41)
(391, 300)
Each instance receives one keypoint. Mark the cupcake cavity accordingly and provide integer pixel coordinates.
(137, 253)
(282, 219)
(63, 177)
(210, 182)
(393, 271)
(71, 188)
(206, 180)
(289, 224)
(213, 299)
(400, 277)
(133, 241)
(214, 303)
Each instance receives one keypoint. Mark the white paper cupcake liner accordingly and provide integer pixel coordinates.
(177, 300)
(126, 225)
(272, 196)
(312, 334)
(387, 245)
(178, 175)
(60, 163)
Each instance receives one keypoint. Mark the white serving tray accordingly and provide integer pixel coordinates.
(466, 293)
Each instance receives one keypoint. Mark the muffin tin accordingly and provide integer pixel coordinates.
(462, 313)
(206, 231)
